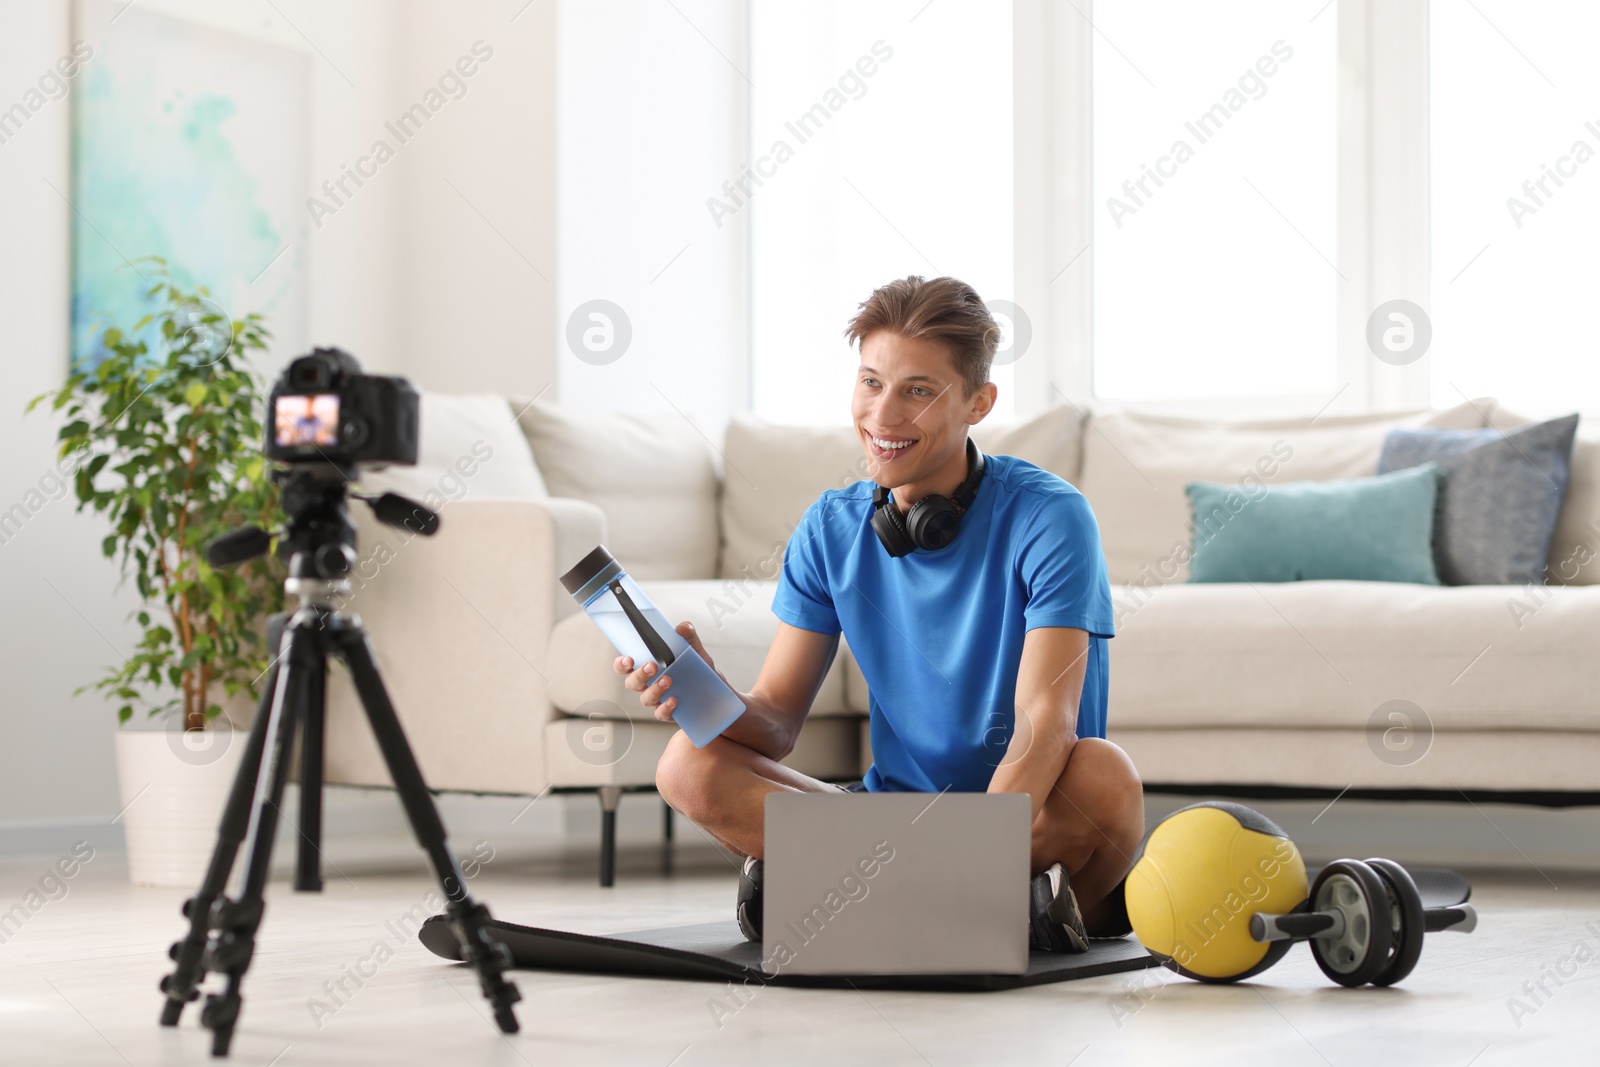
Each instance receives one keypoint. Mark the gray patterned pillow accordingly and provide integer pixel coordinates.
(1499, 500)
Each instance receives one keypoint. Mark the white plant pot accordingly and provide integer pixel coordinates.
(174, 786)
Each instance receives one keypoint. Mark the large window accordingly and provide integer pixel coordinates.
(1214, 228)
(1198, 204)
(1515, 113)
(881, 136)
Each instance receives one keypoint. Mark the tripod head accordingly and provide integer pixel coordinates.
(325, 420)
(318, 539)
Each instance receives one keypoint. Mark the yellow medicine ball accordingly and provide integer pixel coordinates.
(1202, 872)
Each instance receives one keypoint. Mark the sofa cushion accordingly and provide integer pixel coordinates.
(776, 472)
(735, 621)
(653, 475)
(468, 445)
(1377, 529)
(1329, 654)
(598, 751)
(1575, 547)
(1337, 760)
(857, 694)
(1135, 467)
(1052, 439)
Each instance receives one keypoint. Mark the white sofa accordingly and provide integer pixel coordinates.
(505, 687)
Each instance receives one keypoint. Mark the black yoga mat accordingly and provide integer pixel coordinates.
(1438, 887)
(717, 952)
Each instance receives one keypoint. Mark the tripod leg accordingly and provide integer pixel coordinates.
(468, 918)
(308, 866)
(181, 985)
(236, 921)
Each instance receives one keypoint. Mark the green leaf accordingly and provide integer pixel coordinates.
(170, 457)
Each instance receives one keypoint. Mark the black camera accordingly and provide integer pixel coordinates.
(323, 408)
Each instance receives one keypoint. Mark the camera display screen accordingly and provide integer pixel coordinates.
(323, 410)
(306, 421)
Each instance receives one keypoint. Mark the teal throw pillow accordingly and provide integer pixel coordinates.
(1376, 529)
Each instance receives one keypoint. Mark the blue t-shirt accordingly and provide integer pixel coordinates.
(938, 635)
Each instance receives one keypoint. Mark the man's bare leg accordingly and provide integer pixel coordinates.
(1092, 824)
(723, 789)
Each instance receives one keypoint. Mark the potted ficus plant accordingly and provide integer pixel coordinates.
(161, 427)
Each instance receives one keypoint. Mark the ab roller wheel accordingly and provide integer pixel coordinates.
(1355, 950)
(1214, 879)
(1406, 918)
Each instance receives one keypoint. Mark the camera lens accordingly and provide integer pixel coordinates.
(355, 432)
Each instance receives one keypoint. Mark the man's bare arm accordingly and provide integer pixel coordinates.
(1049, 684)
(776, 706)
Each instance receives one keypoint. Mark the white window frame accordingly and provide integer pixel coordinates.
(1382, 209)
(1382, 206)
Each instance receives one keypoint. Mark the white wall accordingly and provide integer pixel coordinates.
(60, 620)
(406, 276)
(478, 261)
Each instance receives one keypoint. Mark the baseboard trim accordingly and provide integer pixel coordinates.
(1527, 797)
(52, 837)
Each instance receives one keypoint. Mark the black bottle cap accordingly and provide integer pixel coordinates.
(596, 563)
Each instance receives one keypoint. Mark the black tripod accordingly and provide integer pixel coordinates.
(320, 545)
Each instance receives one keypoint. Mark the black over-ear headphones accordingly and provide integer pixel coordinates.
(933, 521)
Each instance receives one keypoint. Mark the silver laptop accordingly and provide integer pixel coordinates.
(896, 883)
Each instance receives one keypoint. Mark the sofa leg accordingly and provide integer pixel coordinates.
(610, 797)
(666, 837)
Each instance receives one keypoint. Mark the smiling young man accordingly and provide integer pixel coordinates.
(974, 596)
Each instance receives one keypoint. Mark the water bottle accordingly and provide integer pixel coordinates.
(637, 629)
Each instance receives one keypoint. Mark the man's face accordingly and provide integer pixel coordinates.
(910, 407)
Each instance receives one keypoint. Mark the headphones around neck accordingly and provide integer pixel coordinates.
(933, 522)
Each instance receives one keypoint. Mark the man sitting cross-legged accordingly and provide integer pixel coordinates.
(985, 656)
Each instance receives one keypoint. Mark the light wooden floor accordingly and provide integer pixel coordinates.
(78, 986)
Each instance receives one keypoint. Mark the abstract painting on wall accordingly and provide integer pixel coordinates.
(190, 142)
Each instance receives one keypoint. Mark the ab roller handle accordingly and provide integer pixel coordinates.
(1303, 926)
(1296, 926)
(1461, 919)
